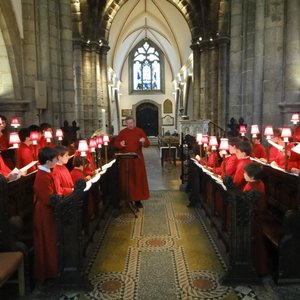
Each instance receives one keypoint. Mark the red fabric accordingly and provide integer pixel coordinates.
(4, 142)
(260, 250)
(35, 151)
(138, 183)
(62, 180)
(4, 170)
(258, 151)
(91, 167)
(212, 157)
(238, 178)
(25, 156)
(43, 143)
(294, 161)
(280, 160)
(45, 239)
(230, 166)
(273, 153)
(77, 174)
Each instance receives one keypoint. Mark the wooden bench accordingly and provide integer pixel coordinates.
(10, 262)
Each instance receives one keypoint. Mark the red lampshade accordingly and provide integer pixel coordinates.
(59, 134)
(83, 147)
(105, 140)
(99, 141)
(224, 144)
(268, 132)
(295, 118)
(286, 133)
(48, 135)
(213, 142)
(205, 140)
(92, 145)
(14, 139)
(243, 130)
(254, 130)
(199, 138)
(34, 137)
(15, 123)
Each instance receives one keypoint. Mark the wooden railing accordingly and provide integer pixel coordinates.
(228, 214)
(215, 129)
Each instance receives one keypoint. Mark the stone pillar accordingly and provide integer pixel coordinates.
(78, 101)
(68, 107)
(223, 81)
(104, 98)
(258, 73)
(197, 111)
(291, 100)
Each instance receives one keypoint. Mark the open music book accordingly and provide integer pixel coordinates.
(17, 173)
(279, 147)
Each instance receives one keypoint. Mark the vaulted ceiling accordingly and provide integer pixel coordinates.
(172, 24)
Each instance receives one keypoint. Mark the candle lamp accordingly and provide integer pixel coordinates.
(92, 147)
(199, 141)
(15, 141)
(224, 147)
(83, 149)
(59, 135)
(205, 143)
(34, 137)
(242, 130)
(295, 118)
(214, 144)
(105, 142)
(254, 131)
(286, 133)
(268, 134)
(15, 123)
(48, 136)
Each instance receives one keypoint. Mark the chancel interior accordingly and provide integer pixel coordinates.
(204, 95)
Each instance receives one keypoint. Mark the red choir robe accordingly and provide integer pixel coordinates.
(260, 250)
(138, 183)
(273, 153)
(43, 143)
(91, 167)
(4, 142)
(238, 178)
(62, 180)
(230, 166)
(45, 238)
(280, 159)
(25, 156)
(258, 151)
(4, 169)
(76, 174)
(294, 161)
(212, 159)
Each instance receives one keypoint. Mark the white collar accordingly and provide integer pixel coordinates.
(44, 168)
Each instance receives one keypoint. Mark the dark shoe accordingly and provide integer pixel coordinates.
(139, 204)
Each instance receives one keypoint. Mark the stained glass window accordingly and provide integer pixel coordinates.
(146, 68)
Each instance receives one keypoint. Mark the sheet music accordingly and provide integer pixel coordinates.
(27, 167)
(279, 147)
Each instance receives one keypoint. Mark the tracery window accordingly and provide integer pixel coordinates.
(146, 68)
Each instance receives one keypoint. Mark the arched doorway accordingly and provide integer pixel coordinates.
(147, 118)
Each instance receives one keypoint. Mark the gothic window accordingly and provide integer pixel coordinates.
(146, 66)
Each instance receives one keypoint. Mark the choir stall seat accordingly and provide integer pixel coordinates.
(10, 262)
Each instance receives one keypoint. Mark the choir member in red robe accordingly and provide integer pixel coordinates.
(4, 142)
(294, 162)
(212, 158)
(258, 150)
(25, 154)
(133, 139)
(242, 152)
(45, 239)
(90, 168)
(35, 148)
(252, 175)
(43, 142)
(61, 175)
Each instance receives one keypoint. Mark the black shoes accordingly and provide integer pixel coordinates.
(139, 204)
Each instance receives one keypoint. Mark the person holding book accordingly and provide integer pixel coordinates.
(45, 238)
(62, 178)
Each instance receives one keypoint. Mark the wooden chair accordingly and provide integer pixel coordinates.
(10, 262)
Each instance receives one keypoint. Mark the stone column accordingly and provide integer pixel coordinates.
(78, 101)
(104, 98)
(258, 63)
(223, 81)
(68, 107)
(291, 100)
(197, 111)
